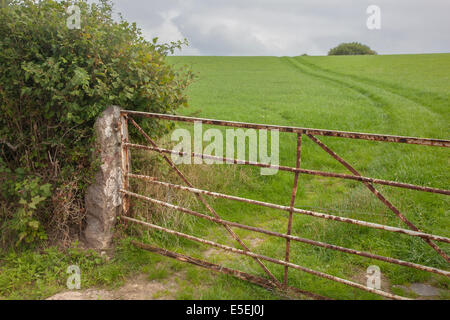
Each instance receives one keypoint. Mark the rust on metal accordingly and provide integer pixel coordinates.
(301, 211)
(299, 170)
(386, 202)
(263, 282)
(273, 260)
(204, 202)
(125, 160)
(319, 132)
(273, 283)
(293, 195)
(295, 238)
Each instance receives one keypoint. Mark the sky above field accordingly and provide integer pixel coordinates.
(291, 27)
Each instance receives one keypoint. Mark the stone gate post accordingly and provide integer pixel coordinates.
(103, 198)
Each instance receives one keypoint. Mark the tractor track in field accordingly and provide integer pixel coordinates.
(388, 87)
(375, 93)
(376, 84)
(376, 100)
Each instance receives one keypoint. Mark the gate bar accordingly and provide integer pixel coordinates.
(291, 169)
(293, 195)
(263, 282)
(319, 132)
(295, 238)
(205, 203)
(300, 211)
(276, 261)
(385, 201)
(125, 155)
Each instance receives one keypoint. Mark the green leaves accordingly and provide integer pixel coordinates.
(54, 83)
(80, 78)
(351, 48)
(31, 196)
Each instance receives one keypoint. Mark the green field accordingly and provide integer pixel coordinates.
(399, 95)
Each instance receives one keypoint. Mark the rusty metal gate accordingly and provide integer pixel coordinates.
(272, 282)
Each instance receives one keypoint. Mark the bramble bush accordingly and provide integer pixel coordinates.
(30, 195)
(351, 48)
(54, 82)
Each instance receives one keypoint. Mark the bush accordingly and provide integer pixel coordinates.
(351, 48)
(22, 222)
(55, 81)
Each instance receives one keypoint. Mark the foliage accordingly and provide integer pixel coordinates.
(31, 274)
(351, 48)
(29, 195)
(55, 81)
(382, 94)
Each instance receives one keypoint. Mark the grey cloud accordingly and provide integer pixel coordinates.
(288, 27)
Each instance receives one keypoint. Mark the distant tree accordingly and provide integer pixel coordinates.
(351, 48)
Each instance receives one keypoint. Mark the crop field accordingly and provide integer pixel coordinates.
(399, 95)
(129, 172)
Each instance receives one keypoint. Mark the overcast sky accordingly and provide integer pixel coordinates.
(291, 27)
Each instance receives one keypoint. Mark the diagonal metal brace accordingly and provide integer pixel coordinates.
(205, 203)
(379, 196)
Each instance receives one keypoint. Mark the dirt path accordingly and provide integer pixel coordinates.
(136, 288)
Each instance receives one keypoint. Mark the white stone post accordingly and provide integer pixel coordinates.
(103, 198)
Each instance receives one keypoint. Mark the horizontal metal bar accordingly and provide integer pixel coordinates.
(302, 240)
(378, 194)
(199, 196)
(300, 170)
(304, 212)
(262, 257)
(320, 132)
(260, 281)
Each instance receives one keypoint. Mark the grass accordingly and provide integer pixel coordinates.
(29, 274)
(400, 95)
